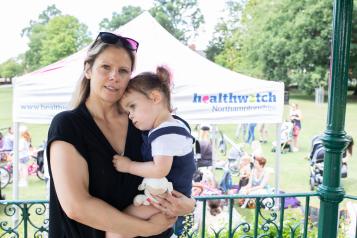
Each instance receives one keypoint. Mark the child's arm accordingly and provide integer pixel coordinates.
(158, 168)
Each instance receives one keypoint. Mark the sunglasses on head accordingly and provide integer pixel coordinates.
(110, 38)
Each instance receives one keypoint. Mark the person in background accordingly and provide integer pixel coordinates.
(251, 133)
(24, 155)
(258, 179)
(7, 145)
(245, 169)
(205, 143)
(241, 131)
(8, 140)
(87, 194)
(295, 118)
(257, 149)
(147, 101)
(347, 156)
(263, 131)
(352, 218)
(204, 133)
(1, 141)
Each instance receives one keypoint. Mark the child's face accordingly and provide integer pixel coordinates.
(140, 108)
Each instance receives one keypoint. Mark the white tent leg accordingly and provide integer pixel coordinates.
(277, 156)
(213, 137)
(15, 170)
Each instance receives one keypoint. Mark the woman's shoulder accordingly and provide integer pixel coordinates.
(68, 116)
(67, 122)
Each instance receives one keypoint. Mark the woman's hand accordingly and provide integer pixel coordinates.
(174, 204)
(161, 222)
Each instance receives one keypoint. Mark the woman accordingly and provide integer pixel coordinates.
(86, 192)
(259, 178)
(295, 118)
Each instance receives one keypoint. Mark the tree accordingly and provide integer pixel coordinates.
(43, 18)
(35, 32)
(225, 31)
(127, 13)
(225, 44)
(10, 69)
(301, 43)
(53, 37)
(182, 18)
(64, 35)
(33, 55)
(290, 42)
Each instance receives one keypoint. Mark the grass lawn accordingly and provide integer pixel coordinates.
(294, 168)
(294, 173)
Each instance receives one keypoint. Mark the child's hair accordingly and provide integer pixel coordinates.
(215, 206)
(25, 133)
(146, 82)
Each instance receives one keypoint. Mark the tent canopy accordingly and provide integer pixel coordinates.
(203, 91)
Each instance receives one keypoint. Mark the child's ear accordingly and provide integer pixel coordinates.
(156, 96)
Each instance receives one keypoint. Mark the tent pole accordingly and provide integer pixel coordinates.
(15, 169)
(213, 136)
(277, 156)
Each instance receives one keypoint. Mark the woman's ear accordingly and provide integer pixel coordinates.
(156, 96)
(87, 71)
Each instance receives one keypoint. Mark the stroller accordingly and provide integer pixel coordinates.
(316, 159)
(234, 155)
(286, 138)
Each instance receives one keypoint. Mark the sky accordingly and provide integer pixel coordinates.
(16, 15)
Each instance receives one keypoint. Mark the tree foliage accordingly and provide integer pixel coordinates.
(43, 18)
(52, 37)
(118, 19)
(181, 18)
(64, 35)
(11, 68)
(283, 40)
(224, 46)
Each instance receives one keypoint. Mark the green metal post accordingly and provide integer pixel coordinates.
(335, 141)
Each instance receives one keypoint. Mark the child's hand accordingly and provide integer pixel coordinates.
(121, 163)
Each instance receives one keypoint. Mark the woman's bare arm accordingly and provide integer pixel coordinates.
(71, 180)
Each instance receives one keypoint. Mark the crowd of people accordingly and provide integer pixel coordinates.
(25, 151)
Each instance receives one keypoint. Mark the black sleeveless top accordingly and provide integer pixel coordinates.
(78, 128)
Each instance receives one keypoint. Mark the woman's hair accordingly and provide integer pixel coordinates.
(146, 82)
(261, 160)
(82, 90)
(350, 145)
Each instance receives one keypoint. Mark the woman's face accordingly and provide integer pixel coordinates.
(109, 74)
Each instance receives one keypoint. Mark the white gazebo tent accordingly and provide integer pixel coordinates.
(203, 91)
